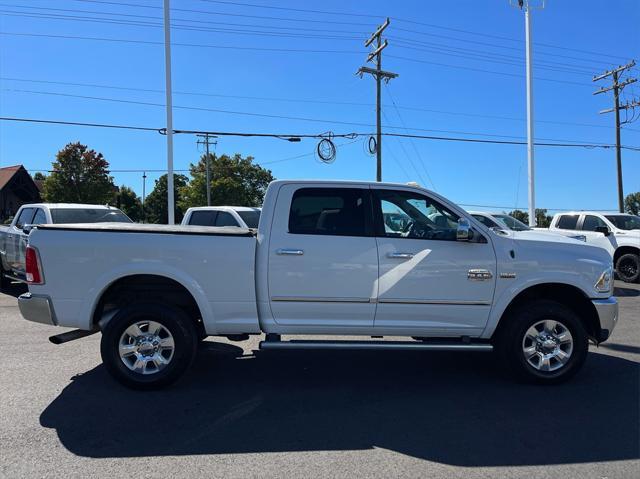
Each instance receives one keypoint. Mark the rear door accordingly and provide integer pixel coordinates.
(323, 259)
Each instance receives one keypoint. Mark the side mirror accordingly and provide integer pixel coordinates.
(464, 231)
(603, 229)
(26, 229)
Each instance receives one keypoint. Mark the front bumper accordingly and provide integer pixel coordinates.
(607, 310)
(37, 309)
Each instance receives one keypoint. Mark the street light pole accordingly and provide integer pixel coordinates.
(169, 106)
(530, 158)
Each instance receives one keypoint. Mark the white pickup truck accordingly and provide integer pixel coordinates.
(328, 258)
(13, 238)
(618, 233)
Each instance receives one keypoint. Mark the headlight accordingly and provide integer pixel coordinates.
(605, 281)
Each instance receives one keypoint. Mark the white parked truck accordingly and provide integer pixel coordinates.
(13, 238)
(241, 216)
(327, 259)
(618, 233)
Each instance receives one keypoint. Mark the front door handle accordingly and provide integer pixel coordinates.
(294, 252)
(400, 255)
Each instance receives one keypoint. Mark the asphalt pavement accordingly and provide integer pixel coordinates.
(243, 413)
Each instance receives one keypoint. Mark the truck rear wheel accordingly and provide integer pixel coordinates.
(148, 345)
(543, 342)
(628, 267)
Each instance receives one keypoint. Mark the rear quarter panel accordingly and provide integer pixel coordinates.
(218, 271)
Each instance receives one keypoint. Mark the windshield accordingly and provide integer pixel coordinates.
(88, 215)
(511, 223)
(251, 217)
(625, 222)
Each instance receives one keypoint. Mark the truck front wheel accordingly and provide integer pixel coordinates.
(543, 342)
(148, 345)
(628, 267)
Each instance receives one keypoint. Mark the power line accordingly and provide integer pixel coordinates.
(299, 100)
(321, 135)
(265, 115)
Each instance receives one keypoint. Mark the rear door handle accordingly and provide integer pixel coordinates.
(294, 252)
(400, 255)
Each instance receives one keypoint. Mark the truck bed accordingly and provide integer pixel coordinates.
(153, 228)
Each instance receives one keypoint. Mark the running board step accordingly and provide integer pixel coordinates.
(71, 336)
(374, 345)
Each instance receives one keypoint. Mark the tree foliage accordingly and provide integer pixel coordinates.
(79, 175)
(632, 203)
(129, 203)
(155, 204)
(234, 181)
(39, 176)
(543, 220)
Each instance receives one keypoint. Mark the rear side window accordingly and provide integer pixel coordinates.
(25, 217)
(251, 218)
(485, 221)
(225, 219)
(40, 217)
(329, 211)
(591, 222)
(567, 222)
(203, 218)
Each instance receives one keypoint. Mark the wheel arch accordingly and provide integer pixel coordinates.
(566, 294)
(149, 287)
(622, 250)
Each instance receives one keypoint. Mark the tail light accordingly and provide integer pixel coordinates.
(33, 267)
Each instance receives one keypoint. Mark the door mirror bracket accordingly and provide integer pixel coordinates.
(603, 229)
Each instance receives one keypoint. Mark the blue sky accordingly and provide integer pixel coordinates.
(461, 74)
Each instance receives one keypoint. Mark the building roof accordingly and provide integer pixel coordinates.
(7, 173)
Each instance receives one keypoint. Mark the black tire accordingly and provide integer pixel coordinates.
(628, 267)
(173, 320)
(513, 337)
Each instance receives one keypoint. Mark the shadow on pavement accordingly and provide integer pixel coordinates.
(625, 292)
(453, 408)
(15, 289)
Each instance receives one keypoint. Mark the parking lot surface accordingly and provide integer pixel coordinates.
(242, 413)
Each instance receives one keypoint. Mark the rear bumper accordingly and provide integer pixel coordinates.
(37, 309)
(607, 310)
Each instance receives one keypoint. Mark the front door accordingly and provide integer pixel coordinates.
(430, 284)
(323, 259)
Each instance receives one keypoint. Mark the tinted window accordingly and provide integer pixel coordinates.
(203, 218)
(40, 217)
(427, 219)
(251, 218)
(328, 211)
(225, 219)
(567, 222)
(25, 217)
(485, 221)
(591, 222)
(625, 222)
(88, 215)
(512, 223)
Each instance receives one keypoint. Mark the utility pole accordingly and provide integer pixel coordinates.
(169, 106)
(617, 87)
(144, 191)
(206, 142)
(527, 7)
(379, 75)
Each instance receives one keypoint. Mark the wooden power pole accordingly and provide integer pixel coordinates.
(379, 74)
(617, 88)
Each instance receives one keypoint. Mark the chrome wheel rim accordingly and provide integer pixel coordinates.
(547, 345)
(146, 347)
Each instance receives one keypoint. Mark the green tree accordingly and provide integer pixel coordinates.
(155, 204)
(39, 176)
(234, 181)
(632, 203)
(543, 220)
(129, 203)
(79, 175)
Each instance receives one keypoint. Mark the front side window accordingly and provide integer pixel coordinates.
(486, 221)
(567, 222)
(512, 223)
(203, 218)
(329, 211)
(423, 218)
(250, 217)
(25, 217)
(40, 217)
(625, 222)
(591, 222)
